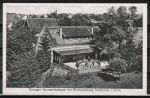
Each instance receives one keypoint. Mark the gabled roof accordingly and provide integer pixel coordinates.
(68, 31)
(75, 51)
(37, 30)
(95, 28)
(54, 36)
(76, 32)
(36, 22)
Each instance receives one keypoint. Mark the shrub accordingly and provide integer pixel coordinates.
(118, 64)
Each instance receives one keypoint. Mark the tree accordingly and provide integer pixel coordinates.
(44, 54)
(25, 72)
(20, 60)
(117, 34)
(34, 16)
(122, 12)
(42, 16)
(111, 11)
(45, 44)
(138, 22)
(118, 65)
(19, 41)
(133, 10)
(118, 31)
(18, 24)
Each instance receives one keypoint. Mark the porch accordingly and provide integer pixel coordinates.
(72, 55)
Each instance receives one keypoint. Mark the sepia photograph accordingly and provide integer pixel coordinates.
(74, 49)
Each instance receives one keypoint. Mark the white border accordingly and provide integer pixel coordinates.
(25, 91)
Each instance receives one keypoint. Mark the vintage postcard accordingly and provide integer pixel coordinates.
(74, 49)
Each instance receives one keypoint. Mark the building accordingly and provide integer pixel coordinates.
(70, 15)
(45, 16)
(69, 43)
(24, 17)
(37, 24)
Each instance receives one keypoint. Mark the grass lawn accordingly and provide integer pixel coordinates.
(93, 80)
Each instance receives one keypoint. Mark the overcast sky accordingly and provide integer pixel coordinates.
(39, 9)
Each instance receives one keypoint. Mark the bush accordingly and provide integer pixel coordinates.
(25, 72)
(118, 64)
(43, 59)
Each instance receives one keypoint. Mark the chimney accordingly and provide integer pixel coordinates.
(91, 30)
(60, 32)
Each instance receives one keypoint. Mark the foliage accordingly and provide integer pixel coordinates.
(18, 24)
(43, 58)
(42, 16)
(118, 64)
(117, 31)
(44, 55)
(138, 22)
(34, 16)
(133, 10)
(20, 59)
(117, 34)
(128, 81)
(45, 44)
(24, 72)
(19, 41)
(122, 12)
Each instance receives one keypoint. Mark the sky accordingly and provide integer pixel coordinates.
(39, 9)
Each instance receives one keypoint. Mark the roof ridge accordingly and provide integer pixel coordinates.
(77, 26)
(41, 18)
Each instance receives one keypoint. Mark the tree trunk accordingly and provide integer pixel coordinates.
(95, 54)
(119, 48)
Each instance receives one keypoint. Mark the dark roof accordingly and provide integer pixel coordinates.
(36, 22)
(54, 37)
(69, 31)
(79, 26)
(95, 28)
(76, 32)
(37, 29)
(75, 51)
